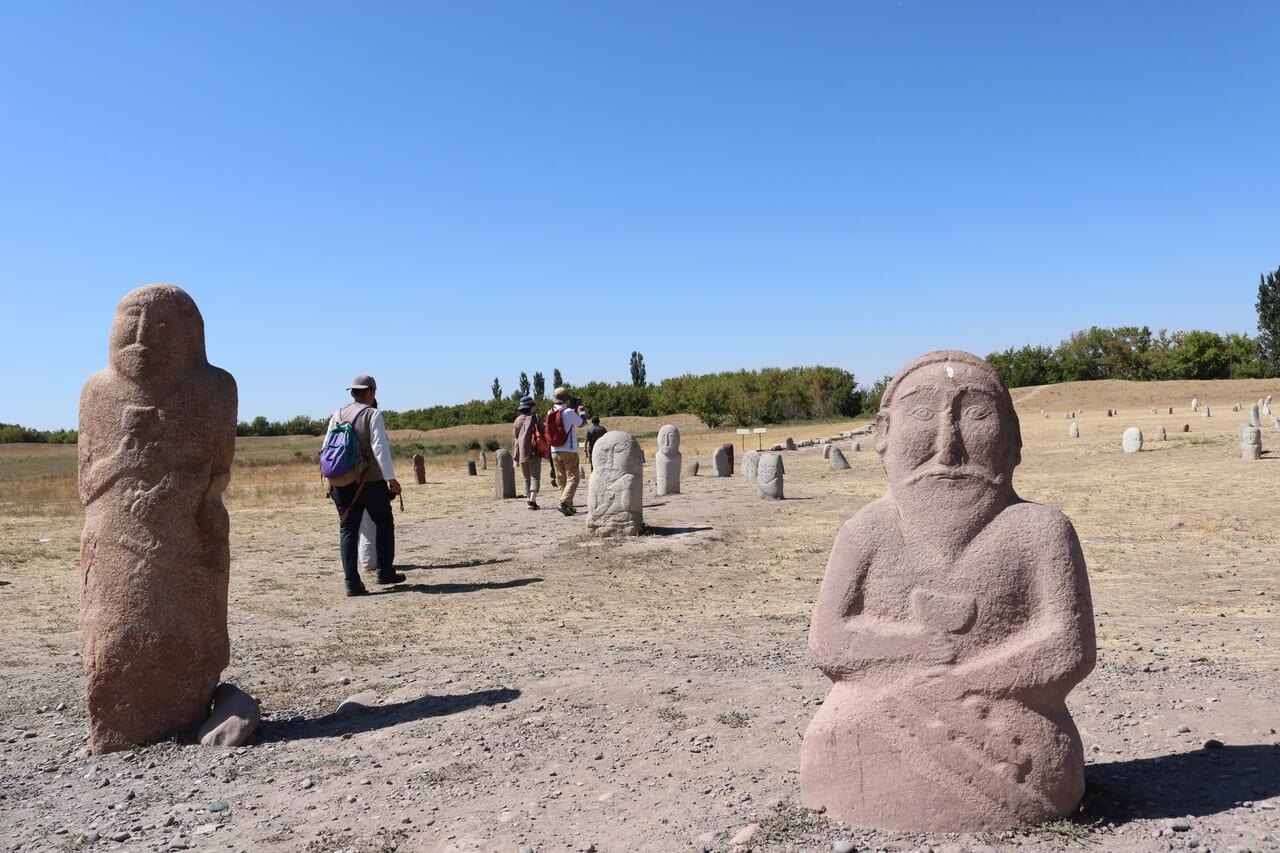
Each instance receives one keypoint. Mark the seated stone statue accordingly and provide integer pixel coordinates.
(953, 620)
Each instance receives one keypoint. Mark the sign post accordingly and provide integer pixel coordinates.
(759, 431)
(744, 441)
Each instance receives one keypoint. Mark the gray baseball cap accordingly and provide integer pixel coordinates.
(361, 382)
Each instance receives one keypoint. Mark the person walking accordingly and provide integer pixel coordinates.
(593, 435)
(367, 489)
(526, 428)
(562, 434)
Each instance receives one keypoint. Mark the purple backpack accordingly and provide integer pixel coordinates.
(341, 446)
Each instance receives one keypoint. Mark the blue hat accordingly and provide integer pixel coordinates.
(526, 402)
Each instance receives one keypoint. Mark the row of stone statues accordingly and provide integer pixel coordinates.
(953, 619)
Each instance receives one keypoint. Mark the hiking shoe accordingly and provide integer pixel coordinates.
(534, 505)
(564, 510)
(394, 577)
(352, 592)
(570, 509)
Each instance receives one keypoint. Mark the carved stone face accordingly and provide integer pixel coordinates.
(668, 438)
(157, 332)
(615, 454)
(948, 426)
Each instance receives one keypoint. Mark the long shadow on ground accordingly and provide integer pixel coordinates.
(468, 564)
(449, 588)
(672, 531)
(1203, 782)
(364, 719)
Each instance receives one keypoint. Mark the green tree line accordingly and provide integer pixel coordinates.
(15, 434)
(1129, 352)
(741, 397)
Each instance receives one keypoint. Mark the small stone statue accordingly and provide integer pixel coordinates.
(953, 620)
(615, 492)
(722, 463)
(157, 435)
(504, 475)
(668, 460)
(769, 476)
(1250, 442)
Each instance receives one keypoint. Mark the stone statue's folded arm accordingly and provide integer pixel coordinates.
(98, 468)
(1055, 649)
(844, 641)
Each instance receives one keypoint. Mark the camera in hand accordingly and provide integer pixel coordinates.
(575, 402)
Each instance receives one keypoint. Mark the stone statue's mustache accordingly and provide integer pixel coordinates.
(956, 472)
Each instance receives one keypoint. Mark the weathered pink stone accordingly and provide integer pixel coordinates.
(157, 434)
(953, 620)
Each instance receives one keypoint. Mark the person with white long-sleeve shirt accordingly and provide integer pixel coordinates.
(369, 488)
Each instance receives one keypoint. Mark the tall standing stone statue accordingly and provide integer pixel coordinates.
(1074, 430)
(419, 469)
(157, 435)
(504, 475)
(615, 492)
(769, 476)
(1131, 441)
(1255, 415)
(668, 460)
(728, 455)
(750, 465)
(953, 619)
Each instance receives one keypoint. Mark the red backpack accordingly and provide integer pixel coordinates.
(556, 434)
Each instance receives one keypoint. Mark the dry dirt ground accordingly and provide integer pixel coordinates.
(539, 690)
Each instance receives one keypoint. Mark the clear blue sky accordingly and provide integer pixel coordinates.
(491, 187)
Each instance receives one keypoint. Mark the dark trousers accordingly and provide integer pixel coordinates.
(374, 499)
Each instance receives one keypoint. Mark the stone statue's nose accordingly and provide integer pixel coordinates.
(950, 449)
(142, 333)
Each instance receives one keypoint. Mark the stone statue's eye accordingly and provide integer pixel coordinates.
(977, 412)
(922, 413)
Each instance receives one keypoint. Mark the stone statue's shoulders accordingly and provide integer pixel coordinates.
(876, 518)
(100, 381)
(1031, 511)
(213, 373)
(1028, 515)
